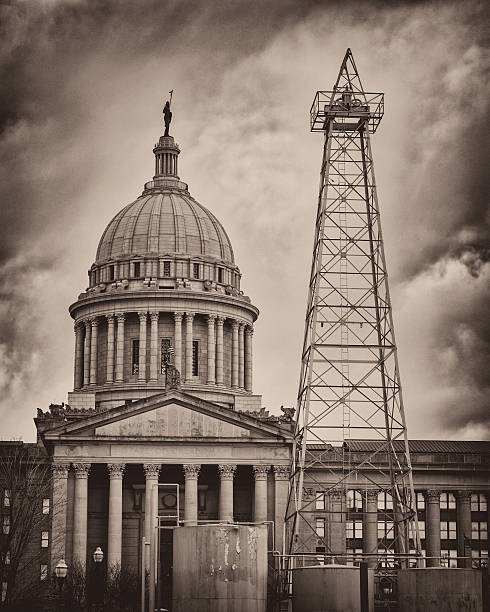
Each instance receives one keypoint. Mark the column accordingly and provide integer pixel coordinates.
(281, 490)
(191, 472)
(142, 347)
(241, 356)
(78, 373)
(80, 513)
(211, 350)
(219, 350)
(463, 527)
(86, 353)
(178, 341)
(152, 470)
(110, 348)
(234, 354)
(189, 318)
(114, 531)
(120, 347)
(154, 346)
(58, 521)
(248, 358)
(260, 476)
(433, 527)
(226, 474)
(337, 523)
(93, 351)
(370, 526)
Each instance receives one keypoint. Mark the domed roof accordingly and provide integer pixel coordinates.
(166, 222)
(165, 219)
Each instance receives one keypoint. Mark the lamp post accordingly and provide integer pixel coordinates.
(61, 570)
(98, 557)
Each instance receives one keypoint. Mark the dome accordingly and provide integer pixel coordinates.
(169, 221)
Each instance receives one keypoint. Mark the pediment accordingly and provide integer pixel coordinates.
(174, 415)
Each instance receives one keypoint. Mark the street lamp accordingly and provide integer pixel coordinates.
(60, 571)
(98, 557)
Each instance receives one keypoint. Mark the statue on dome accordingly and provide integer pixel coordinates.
(167, 115)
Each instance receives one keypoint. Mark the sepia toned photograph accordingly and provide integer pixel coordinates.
(244, 306)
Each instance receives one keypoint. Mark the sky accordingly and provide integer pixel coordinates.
(81, 91)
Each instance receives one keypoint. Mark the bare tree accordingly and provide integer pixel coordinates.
(25, 483)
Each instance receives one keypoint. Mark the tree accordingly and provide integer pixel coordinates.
(25, 488)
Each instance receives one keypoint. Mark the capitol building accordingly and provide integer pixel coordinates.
(163, 400)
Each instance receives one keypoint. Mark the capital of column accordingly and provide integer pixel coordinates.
(371, 495)
(152, 469)
(178, 316)
(87, 323)
(78, 326)
(235, 325)
(154, 316)
(260, 471)
(464, 496)
(121, 317)
(116, 470)
(249, 330)
(191, 470)
(143, 316)
(281, 472)
(189, 316)
(433, 495)
(211, 319)
(220, 320)
(110, 318)
(94, 321)
(81, 470)
(226, 471)
(60, 470)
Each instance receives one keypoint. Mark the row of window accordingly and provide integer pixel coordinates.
(479, 529)
(196, 271)
(166, 352)
(7, 498)
(385, 501)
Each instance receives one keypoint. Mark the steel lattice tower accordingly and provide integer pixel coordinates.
(349, 387)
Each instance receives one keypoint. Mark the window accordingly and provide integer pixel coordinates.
(195, 358)
(6, 497)
(220, 275)
(385, 501)
(135, 356)
(479, 530)
(320, 500)
(320, 527)
(44, 539)
(385, 530)
(448, 530)
(422, 529)
(137, 269)
(166, 268)
(165, 353)
(6, 525)
(354, 556)
(478, 502)
(4, 591)
(420, 500)
(449, 558)
(448, 501)
(44, 571)
(195, 270)
(111, 272)
(6, 558)
(354, 500)
(46, 505)
(480, 558)
(354, 529)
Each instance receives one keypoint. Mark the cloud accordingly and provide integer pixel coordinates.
(80, 106)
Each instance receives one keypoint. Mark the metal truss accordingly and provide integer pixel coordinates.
(349, 387)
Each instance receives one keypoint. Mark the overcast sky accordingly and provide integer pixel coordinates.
(81, 92)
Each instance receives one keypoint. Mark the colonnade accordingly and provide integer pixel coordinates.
(152, 471)
(86, 349)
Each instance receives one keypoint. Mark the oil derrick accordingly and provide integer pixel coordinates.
(349, 397)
